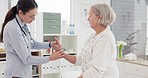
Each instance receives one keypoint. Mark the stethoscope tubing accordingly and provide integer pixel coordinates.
(20, 26)
(22, 31)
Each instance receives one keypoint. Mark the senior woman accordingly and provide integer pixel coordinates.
(98, 56)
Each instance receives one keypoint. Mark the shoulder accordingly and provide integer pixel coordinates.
(106, 36)
(11, 25)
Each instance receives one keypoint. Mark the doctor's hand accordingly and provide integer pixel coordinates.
(56, 55)
(56, 45)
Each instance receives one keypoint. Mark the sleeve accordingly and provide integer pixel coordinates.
(39, 45)
(101, 57)
(79, 59)
(18, 44)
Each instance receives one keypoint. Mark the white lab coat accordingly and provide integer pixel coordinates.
(18, 47)
(98, 56)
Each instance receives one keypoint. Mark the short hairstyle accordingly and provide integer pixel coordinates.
(106, 12)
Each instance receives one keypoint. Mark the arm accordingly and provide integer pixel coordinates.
(56, 45)
(57, 55)
(70, 58)
(19, 47)
(39, 45)
(81, 76)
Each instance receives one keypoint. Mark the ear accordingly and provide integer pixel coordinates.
(99, 17)
(20, 12)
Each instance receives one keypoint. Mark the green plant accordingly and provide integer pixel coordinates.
(129, 48)
(120, 45)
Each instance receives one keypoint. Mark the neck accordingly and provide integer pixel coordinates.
(20, 17)
(100, 28)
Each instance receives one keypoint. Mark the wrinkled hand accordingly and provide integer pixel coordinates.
(81, 76)
(57, 55)
(56, 45)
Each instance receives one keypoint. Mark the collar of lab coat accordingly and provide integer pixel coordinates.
(19, 20)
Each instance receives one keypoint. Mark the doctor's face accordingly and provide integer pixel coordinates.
(93, 19)
(28, 17)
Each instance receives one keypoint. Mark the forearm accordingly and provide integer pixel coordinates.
(56, 55)
(39, 45)
(34, 60)
(70, 58)
(81, 76)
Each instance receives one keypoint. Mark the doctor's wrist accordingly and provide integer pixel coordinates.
(49, 45)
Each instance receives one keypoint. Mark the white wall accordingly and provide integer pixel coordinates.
(131, 16)
(141, 25)
(5, 5)
(13, 2)
(3, 10)
(55, 6)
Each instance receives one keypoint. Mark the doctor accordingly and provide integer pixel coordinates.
(98, 56)
(18, 41)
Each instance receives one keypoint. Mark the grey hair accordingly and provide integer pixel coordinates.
(106, 12)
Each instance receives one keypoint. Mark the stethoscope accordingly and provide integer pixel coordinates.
(31, 40)
(20, 27)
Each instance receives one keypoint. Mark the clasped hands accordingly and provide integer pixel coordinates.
(58, 51)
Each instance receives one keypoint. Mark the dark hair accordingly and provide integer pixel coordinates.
(24, 6)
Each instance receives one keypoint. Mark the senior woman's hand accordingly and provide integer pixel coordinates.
(81, 76)
(56, 45)
(56, 55)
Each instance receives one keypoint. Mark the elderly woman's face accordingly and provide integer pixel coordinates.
(92, 18)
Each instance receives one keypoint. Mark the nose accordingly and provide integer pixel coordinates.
(88, 18)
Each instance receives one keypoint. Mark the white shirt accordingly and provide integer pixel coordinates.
(18, 47)
(98, 56)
